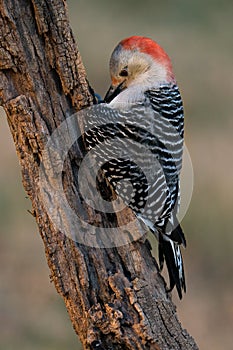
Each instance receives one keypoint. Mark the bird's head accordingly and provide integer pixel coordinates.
(138, 62)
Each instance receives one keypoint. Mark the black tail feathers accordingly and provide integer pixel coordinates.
(170, 251)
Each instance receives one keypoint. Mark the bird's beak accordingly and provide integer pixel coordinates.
(113, 91)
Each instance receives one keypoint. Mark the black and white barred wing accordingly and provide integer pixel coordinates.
(131, 150)
(167, 102)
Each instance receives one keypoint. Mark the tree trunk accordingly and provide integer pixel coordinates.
(115, 296)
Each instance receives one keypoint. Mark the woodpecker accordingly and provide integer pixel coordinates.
(145, 106)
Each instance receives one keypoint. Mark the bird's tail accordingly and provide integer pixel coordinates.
(170, 251)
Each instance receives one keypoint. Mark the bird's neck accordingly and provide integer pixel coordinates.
(134, 94)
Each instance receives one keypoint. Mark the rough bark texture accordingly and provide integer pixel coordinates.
(115, 297)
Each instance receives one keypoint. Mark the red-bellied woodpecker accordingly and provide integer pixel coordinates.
(145, 107)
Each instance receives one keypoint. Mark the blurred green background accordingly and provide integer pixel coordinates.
(198, 37)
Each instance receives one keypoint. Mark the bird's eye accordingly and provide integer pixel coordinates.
(123, 73)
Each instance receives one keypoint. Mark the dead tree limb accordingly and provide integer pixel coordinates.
(115, 297)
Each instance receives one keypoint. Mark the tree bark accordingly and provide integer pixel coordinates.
(115, 297)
